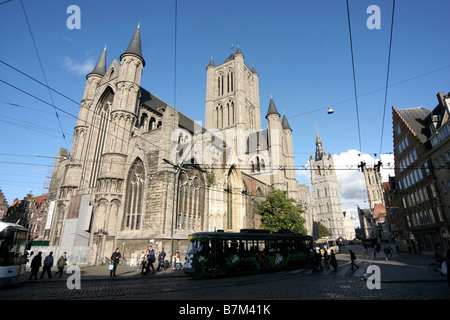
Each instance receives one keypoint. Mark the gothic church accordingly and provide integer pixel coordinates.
(140, 172)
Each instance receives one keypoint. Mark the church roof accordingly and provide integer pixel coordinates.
(135, 45)
(272, 108)
(415, 118)
(154, 104)
(100, 67)
(211, 63)
(285, 123)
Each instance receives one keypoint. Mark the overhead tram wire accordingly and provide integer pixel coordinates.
(387, 77)
(43, 72)
(354, 76)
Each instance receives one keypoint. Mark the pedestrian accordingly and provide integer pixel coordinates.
(36, 263)
(353, 258)
(142, 262)
(333, 261)
(48, 264)
(115, 258)
(161, 258)
(319, 260)
(312, 259)
(386, 252)
(178, 260)
(150, 260)
(325, 259)
(62, 261)
(390, 253)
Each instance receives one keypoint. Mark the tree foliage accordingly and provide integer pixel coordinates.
(280, 213)
(323, 231)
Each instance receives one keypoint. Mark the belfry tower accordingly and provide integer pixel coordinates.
(325, 191)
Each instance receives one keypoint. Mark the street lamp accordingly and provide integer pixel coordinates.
(178, 168)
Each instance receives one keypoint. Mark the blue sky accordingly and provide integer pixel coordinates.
(301, 50)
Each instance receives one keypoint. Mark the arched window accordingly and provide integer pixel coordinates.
(134, 196)
(100, 126)
(151, 124)
(189, 204)
(143, 120)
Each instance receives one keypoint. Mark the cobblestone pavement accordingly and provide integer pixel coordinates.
(405, 277)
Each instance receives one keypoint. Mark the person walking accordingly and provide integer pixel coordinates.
(142, 262)
(178, 260)
(161, 258)
(333, 261)
(62, 261)
(353, 258)
(48, 264)
(115, 258)
(386, 252)
(326, 257)
(36, 263)
(150, 260)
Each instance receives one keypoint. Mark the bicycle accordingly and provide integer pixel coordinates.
(434, 269)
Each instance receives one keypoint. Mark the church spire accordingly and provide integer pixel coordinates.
(272, 108)
(135, 46)
(319, 148)
(285, 123)
(100, 67)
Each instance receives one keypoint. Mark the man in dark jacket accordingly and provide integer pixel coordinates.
(115, 258)
(36, 263)
(161, 258)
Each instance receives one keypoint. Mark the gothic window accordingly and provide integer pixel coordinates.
(134, 196)
(219, 116)
(151, 124)
(189, 204)
(230, 108)
(220, 85)
(101, 121)
(143, 120)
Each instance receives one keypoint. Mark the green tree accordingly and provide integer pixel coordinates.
(280, 213)
(323, 231)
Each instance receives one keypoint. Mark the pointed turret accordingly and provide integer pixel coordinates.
(238, 51)
(134, 47)
(285, 123)
(319, 148)
(100, 67)
(272, 108)
(254, 70)
(211, 63)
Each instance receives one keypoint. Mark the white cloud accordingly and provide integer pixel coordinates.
(78, 68)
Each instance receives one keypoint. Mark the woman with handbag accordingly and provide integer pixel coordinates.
(115, 258)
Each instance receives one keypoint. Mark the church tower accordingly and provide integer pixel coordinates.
(325, 191)
(374, 186)
(232, 95)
